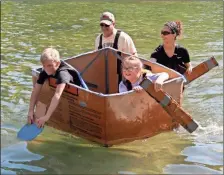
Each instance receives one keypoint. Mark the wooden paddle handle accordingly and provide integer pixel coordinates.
(201, 69)
(170, 105)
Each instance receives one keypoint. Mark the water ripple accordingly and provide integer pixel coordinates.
(189, 169)
(15, 157)
(208, 154)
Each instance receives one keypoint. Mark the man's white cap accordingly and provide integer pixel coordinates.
(107, 18)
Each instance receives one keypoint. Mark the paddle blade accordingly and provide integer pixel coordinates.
(29, 132)
(201, 69)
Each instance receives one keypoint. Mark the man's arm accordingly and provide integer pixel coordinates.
(127, 45)
(97, 42)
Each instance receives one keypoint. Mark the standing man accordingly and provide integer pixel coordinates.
(111, 37)
(117, 39)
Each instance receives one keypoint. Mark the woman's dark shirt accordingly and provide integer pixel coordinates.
(176, 62)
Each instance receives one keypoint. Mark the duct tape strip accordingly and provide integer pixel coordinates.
(145, 83)
(191, 127)
(165, 101)
(210, 64)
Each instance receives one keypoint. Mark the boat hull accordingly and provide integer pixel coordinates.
(102, 115)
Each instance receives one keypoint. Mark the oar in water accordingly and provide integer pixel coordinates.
(170, 105)
(201, 69)
(29, 132)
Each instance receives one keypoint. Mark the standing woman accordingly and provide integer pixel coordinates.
(170, 54)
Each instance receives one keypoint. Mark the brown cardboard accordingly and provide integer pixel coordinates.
(103, 115)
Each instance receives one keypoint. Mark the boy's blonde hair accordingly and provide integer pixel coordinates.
(133, 60)
(50, 54)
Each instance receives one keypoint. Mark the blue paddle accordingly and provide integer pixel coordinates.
(29, 132)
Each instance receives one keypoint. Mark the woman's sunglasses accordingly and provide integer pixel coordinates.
(104, 25)
(166, 33)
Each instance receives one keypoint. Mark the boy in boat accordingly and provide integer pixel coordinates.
(52, 67)
(133, 73)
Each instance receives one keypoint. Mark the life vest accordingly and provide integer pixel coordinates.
(115, 45)
(77, 79)
(127, 83)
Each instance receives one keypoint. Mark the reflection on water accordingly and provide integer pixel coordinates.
(15, 158)
(189, 169)
(71, 26)
(73, 154)
(206, 154)
(125, 172)
(3, 171)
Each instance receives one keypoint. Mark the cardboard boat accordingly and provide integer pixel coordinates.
(100, 113)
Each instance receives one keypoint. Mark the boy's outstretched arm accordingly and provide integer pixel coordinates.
(33, 101)
(54, 103)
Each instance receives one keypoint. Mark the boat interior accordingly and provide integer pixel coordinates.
(101, 70)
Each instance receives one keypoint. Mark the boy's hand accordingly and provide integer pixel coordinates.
(30, 117)
(137, 88)
(41, 121)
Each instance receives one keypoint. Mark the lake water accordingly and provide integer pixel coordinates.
(27, 27)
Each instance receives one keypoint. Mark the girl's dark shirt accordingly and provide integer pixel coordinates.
(176, 62)
(62, 75)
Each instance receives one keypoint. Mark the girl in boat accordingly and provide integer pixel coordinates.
(133, 74)
(169, 53)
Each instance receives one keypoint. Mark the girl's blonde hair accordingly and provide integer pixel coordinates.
(50, 54)
(133, 60)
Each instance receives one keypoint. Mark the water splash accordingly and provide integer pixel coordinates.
(212, 132)
(207, 151)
